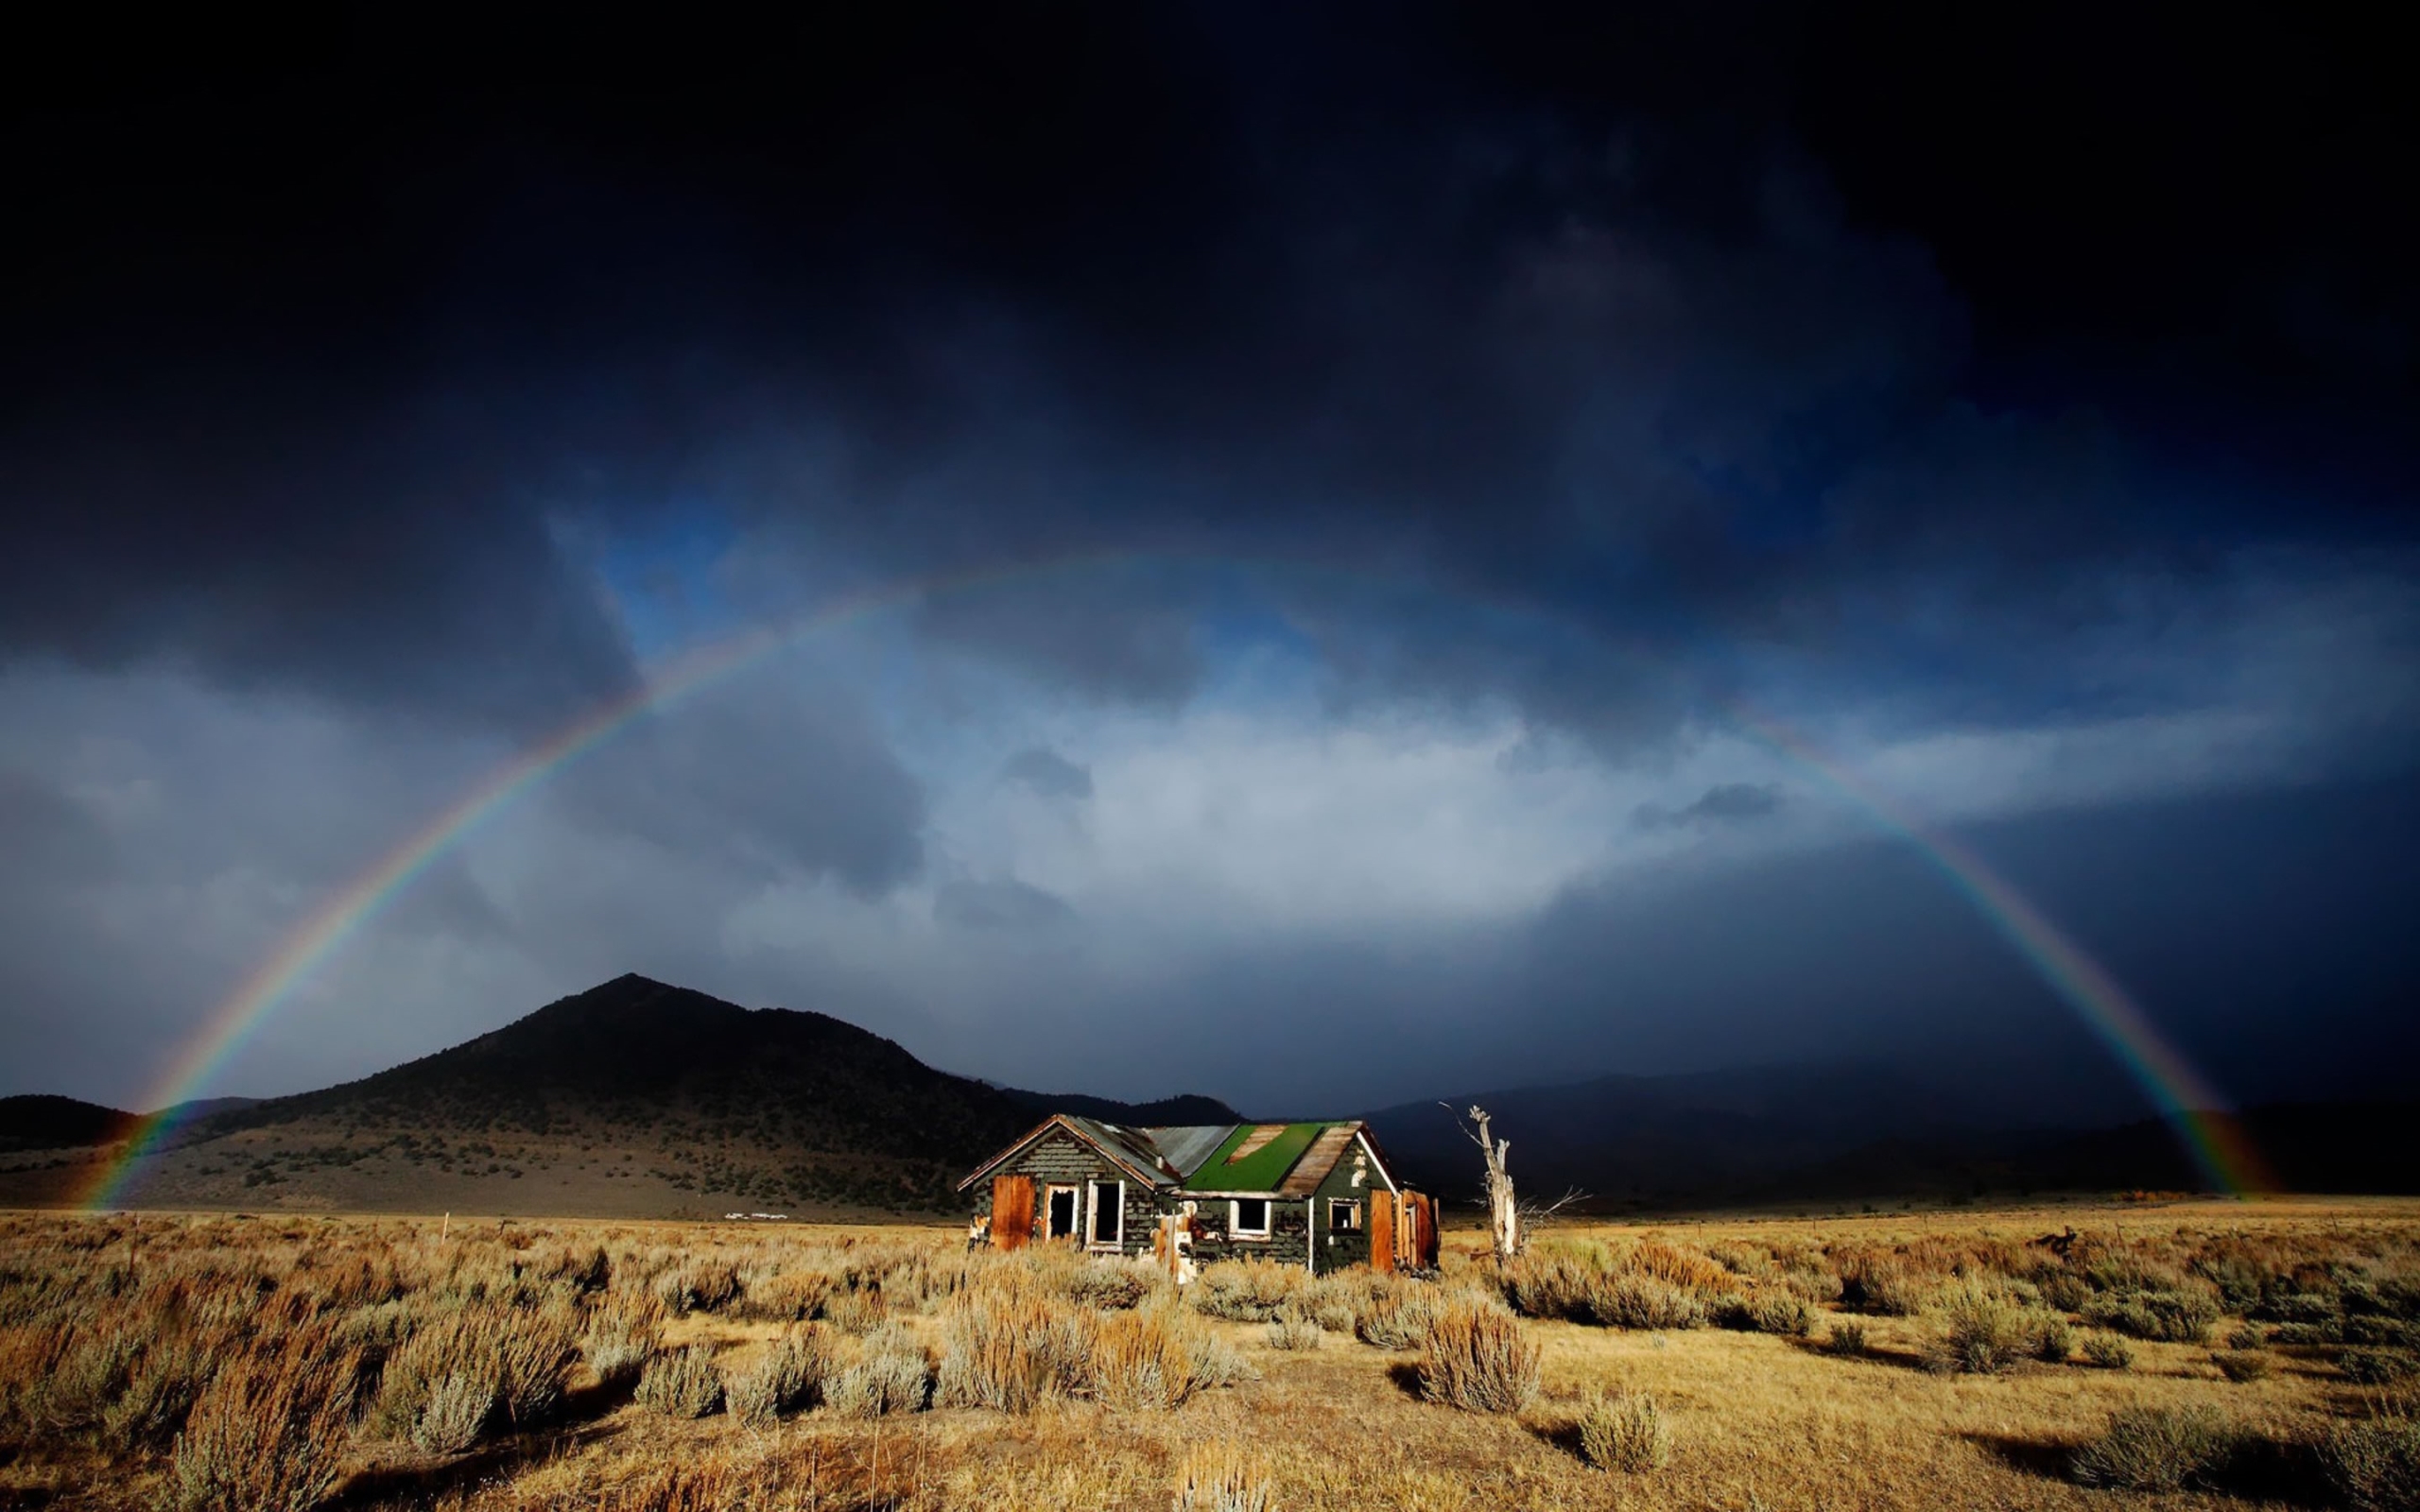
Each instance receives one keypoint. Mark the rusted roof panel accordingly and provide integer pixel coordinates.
(1319, 1160)
(1136, 1145)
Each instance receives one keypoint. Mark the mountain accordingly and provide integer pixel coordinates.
(1188, 1108)
(635, 1099)
(200, 1107)
(40, 1122)
(632, 1099)
(1657, 1140)
(1842, 1133)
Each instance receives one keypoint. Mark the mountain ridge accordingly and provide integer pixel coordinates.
(637, 1098)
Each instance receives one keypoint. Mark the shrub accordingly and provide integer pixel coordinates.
(160, 1392)
(2243, 1366)
(1331, 1301)
(1112, 1286)
(893, 1375)
(2375, 1368)
(2175, 1316)
(858, 1313)
(1624, 1432)
(1846, 1338)
(1157, 1358)
(2298, 1307)
(1476, 1358)
(2250, 1336)
(1292, 1330)
(2156, 1449)
(87, 1378)
(1782, 1312)
(440, 1388)
(1639, 1301)
(623, 1332)
(699, 1286)
(1012, 1348)
(785, 1378)
(2375, 1465)
(2392, 1333)
(534, 1353)
(683, 1383)
(454, 1410)
(1882, 1283)
(788, 1297)
(2053, 1340)
(268, 1432)
(2108, 1352)
(1981, 1330)
(1554, 1280)
(1218, 1478)
(1396, 1315)
(1245, 1291)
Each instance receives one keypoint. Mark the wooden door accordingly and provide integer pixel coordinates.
(1382, 1231)
(1011, 1211)
(1420, 1209)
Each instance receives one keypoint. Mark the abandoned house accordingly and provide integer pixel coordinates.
(1319, 1195)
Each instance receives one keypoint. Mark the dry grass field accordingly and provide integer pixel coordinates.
(2193, 1355)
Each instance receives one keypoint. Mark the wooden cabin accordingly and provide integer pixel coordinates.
(1321, 1196)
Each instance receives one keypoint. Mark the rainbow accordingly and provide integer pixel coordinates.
(2200, 1114)
(2184, 1097)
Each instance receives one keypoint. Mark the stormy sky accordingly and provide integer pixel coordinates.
(1396, 537)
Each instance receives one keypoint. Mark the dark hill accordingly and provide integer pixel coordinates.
(632, 1096)
(1666, 1138)
(634, 1050)
(1185, 1107)
(42, 1121)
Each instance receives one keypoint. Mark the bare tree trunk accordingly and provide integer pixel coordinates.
(1503, 1210)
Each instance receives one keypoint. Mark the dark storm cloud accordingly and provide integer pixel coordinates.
(1516, 355)
(785, 779)
(1003, 903)
(1479, 299)
(1048, 773)
(48, 834)
(1728, 803)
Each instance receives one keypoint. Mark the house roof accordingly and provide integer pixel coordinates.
(1255, 1158)
(1287, 1160)
(1186, 1147)
(1130, 1150)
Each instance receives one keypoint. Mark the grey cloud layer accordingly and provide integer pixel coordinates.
(1465, 403)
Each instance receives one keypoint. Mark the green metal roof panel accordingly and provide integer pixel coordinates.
(1259, 1171)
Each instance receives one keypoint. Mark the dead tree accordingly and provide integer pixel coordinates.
(1509, 1219)
(1503, 1208)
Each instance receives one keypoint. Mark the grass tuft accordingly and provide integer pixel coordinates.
(1292, 1330)
(1625, 1432)
(1218, 1477)
(2157, 1448)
